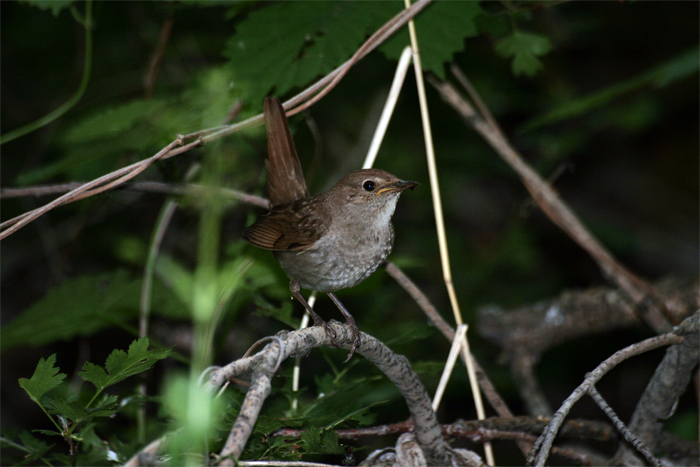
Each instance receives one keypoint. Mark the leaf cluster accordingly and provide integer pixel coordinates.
(74, 418)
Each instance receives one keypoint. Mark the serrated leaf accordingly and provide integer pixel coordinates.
(120, 365)
(266, 425)
(94, 374)
(66, 408)
(83, 306)
(524, 48)
(98, 142)
(315, 441)
(54, 5)
(34, 448)
(76, 307)
(441, 30)
(45, 378)
(288, 44)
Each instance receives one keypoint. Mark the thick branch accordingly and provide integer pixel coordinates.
(395, 367)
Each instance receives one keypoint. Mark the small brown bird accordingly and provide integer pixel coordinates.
(330, 241)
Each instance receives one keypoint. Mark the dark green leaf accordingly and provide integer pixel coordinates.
(524, 48)
(76, 412)
(54, 5)
(315, 441)
(67, 408)
(77, 307)
(45, 378)
(678, 67)
(120, 365)
(441, 30)
(34, 448)
(360, 415)
(83, 306)
(288, 44)
(49, 432)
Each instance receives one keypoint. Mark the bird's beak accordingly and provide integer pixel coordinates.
(399, 186)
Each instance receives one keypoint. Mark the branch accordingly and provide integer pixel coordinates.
(660, 398)
(395, 367)
(646, 300)
(190, 189)
(540, 450)
(526, 333)
(319, 89)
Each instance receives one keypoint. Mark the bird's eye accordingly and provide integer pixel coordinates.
(368, 185)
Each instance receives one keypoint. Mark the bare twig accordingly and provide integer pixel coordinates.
(669, 382)
(148, 456)
(647, 301)
(190, 189)
(120, 176)
(621, 428)
(541, 449)
(149, 81)
(99, 185)
(572, 429)
(526, 333)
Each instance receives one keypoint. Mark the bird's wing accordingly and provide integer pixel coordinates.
(285, 179)
(288, 227)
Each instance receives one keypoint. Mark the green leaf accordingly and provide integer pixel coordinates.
(678, 67)
(94, 143)
(76, 307)
(441, 30)
(120, 365)
(33, 448)
(524, 48)
(315, 441)
(288, 44)
(45, 378)
(77, 413)
(177, 276)
(100, 141)
(360, 415)
(48, 432)
(54, 5)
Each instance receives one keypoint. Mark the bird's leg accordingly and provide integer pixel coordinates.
(318, 321)
(350, 323)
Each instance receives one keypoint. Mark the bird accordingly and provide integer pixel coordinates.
(327, 242)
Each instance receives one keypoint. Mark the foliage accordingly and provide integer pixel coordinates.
(593, 86)
(75, 420)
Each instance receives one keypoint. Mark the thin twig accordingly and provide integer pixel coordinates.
(621, 428)
(541, 449)
(318, 89)
(149, 81)
(75, 98)
(645, 297)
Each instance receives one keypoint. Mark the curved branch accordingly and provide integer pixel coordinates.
(122, 175)
(395, 367)
(669, 382)
(540, 450)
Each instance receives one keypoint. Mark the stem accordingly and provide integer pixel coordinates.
(87, 66)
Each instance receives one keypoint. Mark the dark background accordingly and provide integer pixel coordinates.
(629, 169)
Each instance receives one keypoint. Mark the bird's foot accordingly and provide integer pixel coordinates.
(356, 339)
(330, 332)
